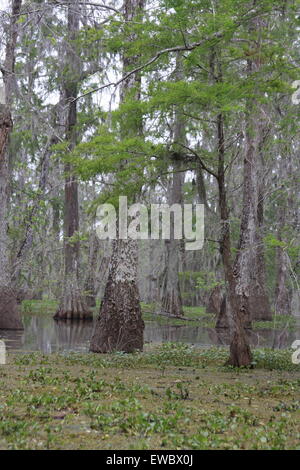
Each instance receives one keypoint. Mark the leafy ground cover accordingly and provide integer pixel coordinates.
(168, 397)
(197, 316)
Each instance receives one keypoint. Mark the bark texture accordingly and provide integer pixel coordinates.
(72, 304)
(90, 282)
(250, 262)
(28, 237)
(171, 302)
(215, 300)
(120, 326)
(9, 314)
(282, 294)
(251, 259)
(240, 353)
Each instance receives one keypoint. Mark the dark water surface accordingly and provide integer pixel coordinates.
(44, 334)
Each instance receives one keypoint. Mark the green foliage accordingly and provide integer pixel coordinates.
(272, 242)
(123, 401)
(207, 281)
(39, 307)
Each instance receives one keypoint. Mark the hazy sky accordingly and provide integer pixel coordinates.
(3, 4)
(109, 97)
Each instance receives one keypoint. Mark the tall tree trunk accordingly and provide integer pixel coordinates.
(9, 314)
(90, 282)
(249, 266)
(282, 294)
(245, 275)
(231, 311)
(171, 300)
(153, 288)
(120, 326)
(72, 304)
(240, 354)
(171, 295)
(250, 262)
(287, 210)
(27, 240)
(259, 305)
(244, 266)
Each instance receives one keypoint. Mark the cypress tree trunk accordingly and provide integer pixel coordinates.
(245, 263)
(120, 326)
(250, 263)
(9, 314)
(288, 215)
(259, 305)
(72, 304)
(231, 313)
(240, 353)
(171, 300)
(90, 288)
(28, 237)
(282, 294)
(247, 273)
(171, 295)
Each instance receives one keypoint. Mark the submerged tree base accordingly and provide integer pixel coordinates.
(240, 353)
(260, 308)
(10, 317)
(172, 304)
(73, 307)
(120, 326)
(223, 317)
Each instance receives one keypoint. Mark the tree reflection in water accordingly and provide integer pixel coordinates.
(44, 334)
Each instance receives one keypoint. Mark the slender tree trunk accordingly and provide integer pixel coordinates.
(153, 296)
(9, 314)
(240, 278)
(282, 294)
(120, 326)
(72, 304)
(171, 294)
(27, 240)
(90, 282)
(55, 219)
(249, 265)
(240, 354)
(251, 259)
(288, 216)
(259, 305)
(244, 267)
(171, 300)
(250, 262)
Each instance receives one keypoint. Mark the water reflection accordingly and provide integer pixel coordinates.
(44, 334)
(13, 339)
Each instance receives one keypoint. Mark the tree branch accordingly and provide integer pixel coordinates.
(204, 167)
(90, 4)
(188, 47)
(185, 47)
